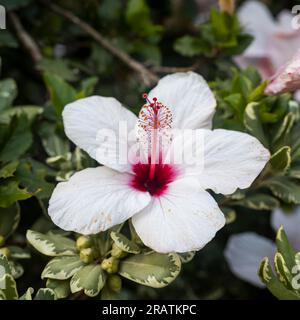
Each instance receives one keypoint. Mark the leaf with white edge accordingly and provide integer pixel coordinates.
(62, 268)
(45, 294)
(16, 269)
(284, 128)
(9, 220)
(284, 247)
(253, 123)
(5, 267)
(51, 244)
(2, 295)
(284, 188)
(27, 295)
(9, 287)
(90, 278)
(273, 284)
(281, 159)
(259, 202)
(230, 214)
(124, 243)
(18, 253)
(153, 269)
(187, 256)
(60, 287)
(283, 273)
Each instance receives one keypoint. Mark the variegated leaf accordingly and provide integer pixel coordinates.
(51, 244)
(151, 269)
(60, 287)
(62, 268)
(45, 294)
(124, 243)
(9, 287)
(90, 278)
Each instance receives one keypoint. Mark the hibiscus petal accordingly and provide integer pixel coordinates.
(244, 253)
(258, 21)
(231, 160)
(185, 219)
(287, 78)
(291, 224)
(93, 125)
(94, 200)
(188, 97)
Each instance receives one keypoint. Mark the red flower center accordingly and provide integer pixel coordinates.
(157, 185)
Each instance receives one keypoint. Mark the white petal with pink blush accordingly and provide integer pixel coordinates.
(287, 79)
(169, 202)
(275, 41)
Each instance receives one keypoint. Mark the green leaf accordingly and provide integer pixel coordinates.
(188, 46)
(11, 193)
(283, 273)
(284, 248)
(8, 287)
(88, 86)
(8, 170)
(273, 284)
(253, 124)
(51, 244)
(138, 17)
(60, 287)
(18, 139)
(9, 220)
(151, 269)
(33, 177)
(259, 202)
(284, 188)
(124, 244)
(62, 268)
(90, 278)
(45, 294)
(61, 92)
(58, 67)
(281, 159)
(284, 129)
(8, 93)
(258, 92)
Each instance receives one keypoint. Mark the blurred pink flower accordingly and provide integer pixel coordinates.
(287, 79)
(275, 41)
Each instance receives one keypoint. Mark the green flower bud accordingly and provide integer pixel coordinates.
(110, 265)
(5, 251)
(86, 255)
(117, 252)
(114, 282)
(83, 242)
(2, 241)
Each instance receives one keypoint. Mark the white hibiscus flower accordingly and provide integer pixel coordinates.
(245, 251)
(170, 208)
